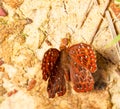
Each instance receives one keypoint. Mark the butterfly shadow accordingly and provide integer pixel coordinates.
(102, 75)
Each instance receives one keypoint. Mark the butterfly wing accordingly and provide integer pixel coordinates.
(82, 64)
(56, 82)
(81, 78)
(84, 55)
(48, 62)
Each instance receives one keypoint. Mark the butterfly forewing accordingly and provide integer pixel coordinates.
(49, 61)
(84, 55)
(81, 78)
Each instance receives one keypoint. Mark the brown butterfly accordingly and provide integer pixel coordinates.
(76, 63)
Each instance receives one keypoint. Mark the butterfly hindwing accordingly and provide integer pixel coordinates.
(81, 78)
(56, 82)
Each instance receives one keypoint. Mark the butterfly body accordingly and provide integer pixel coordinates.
(76, 63)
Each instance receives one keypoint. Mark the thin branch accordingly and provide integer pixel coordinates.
(111, 26)
(99, 22)
(113, 32)
(87, 12)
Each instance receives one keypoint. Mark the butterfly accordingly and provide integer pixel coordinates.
(75, 63)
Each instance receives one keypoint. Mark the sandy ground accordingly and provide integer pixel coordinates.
(31, 28)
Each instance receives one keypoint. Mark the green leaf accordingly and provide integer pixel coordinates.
(114, 41)
(117, 0)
